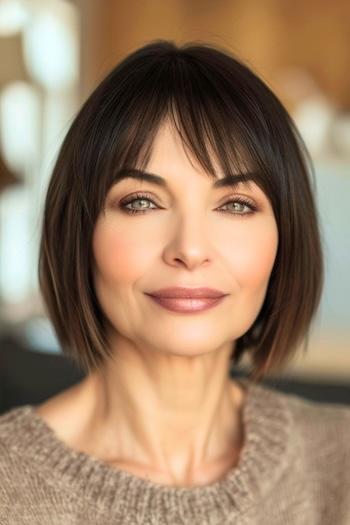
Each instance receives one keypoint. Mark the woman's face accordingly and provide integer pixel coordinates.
(188, 234)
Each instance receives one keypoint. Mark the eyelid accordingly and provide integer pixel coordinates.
(149, 195)
(243, 195)
(139, 195)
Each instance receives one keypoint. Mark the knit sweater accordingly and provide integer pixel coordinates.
(294, 469)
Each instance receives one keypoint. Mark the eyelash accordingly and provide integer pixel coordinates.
(139, 196)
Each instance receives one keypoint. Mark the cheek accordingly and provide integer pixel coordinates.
(119, 256)
(252, 254)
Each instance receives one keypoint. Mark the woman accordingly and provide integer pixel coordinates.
(180, 233)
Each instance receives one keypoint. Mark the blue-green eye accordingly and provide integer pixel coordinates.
(244, 202)
(140, 198)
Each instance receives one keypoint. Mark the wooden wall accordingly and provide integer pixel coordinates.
(269, 34)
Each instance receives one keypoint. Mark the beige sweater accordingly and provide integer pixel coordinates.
(294, 469)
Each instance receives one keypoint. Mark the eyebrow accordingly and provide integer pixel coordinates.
(227, 181)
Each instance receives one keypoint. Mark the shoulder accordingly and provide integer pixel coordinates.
(322, 430)
(10, 458)
(309, 414)
(9, 425)
(316, 458)
(15, 426)
(12, 424)
(13, 419)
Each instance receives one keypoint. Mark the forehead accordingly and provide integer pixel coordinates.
(170, 149)
(169, 162)
(171, 155)
(170, 159)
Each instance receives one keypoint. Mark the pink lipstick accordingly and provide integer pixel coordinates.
(187, 300)
(186, 305)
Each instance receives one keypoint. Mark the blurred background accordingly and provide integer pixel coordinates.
(53, 53)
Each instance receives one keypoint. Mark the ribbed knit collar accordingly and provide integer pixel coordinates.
(267, 424)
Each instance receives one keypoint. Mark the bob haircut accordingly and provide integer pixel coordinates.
(214, 101)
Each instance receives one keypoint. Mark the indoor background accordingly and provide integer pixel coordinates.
(53, 53)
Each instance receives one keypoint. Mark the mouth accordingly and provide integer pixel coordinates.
(181, 292)
(187, 305)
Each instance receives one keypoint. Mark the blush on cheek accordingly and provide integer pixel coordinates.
(261, 264)
(117, 257)
(254, 260)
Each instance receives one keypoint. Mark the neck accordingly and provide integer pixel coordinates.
(174, 414)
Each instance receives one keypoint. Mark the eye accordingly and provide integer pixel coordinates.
(241, 201)
(138, 197)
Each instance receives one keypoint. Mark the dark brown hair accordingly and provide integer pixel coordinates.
(216, 101)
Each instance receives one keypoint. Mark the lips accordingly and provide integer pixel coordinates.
(187, 305)
(181, 292)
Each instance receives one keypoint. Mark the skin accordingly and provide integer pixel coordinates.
(164, 408)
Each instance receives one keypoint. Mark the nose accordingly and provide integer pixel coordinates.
(190, 243)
